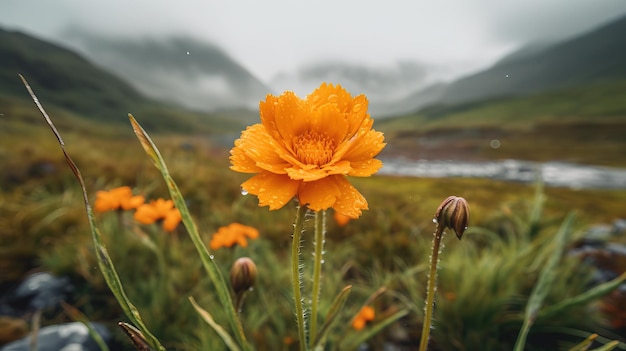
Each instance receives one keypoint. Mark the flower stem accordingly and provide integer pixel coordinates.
(296, 277)
(320, 231)
(432, 285)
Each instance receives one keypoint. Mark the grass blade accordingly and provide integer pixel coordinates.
(589, 295)
(335, 308)
(104, 260)
(542, 287)
(363, 336)
(207, 259)
(78, 316)
(206, 316)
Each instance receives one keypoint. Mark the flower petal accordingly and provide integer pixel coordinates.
(365, 168)
(256, 150)
(350, 202)
(319, 195)
(273, 190)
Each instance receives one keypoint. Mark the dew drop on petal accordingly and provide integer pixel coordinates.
(356, 108)
(244, 192)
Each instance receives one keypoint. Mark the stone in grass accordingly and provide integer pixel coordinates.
(62, 337)
(39, 291)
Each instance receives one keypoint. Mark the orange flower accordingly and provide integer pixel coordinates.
(365, 315)
(117, 198)
(306, 148)
(156, 210)
(341, 219)
(232, 234)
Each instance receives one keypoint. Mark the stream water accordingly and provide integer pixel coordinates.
(557, 174)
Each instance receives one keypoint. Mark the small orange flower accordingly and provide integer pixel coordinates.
(232, 234)
(306, 148)
(341, 219)
(117, 198)
(156, 210)
(365, 315)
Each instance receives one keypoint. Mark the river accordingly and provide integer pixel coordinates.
(556, 174)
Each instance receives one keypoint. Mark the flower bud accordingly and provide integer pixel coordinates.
(453, 213)
(242, 275)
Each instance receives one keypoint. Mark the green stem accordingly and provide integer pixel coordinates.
(320, 230)
(430, 292)
(296, 277)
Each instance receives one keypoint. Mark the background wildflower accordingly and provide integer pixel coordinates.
(365, 315)
(232, 234)
(306, 148)
(156, 210)
(117, 198)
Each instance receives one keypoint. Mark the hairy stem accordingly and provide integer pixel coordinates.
(432, 285)
(296, 277)
(320, 230)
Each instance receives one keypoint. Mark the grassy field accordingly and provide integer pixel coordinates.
(485, 281)
(43, 227)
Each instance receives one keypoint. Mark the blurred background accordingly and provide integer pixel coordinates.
(520, 107)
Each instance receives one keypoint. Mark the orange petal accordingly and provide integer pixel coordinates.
(358, 324)
(257, 150)
(365, 168)
(350, 202)
(319, 195)
(273, 190)
(172, 219)
(366, 147)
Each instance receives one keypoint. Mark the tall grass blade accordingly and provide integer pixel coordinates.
(78, 316)
(542, 287)
(589, 295)
(206, 316)
(363, 336)
(209, 264)
(335, 308)
(104, 260)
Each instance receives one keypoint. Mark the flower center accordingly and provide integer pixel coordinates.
(314, 148)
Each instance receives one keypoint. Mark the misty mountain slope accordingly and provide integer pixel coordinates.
(62, 77)
(180, 70)
(65, 80)
(596, 56)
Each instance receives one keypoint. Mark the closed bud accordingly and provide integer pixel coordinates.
(243, 275)
(453, 213)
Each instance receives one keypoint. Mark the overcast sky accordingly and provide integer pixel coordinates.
(271, 36)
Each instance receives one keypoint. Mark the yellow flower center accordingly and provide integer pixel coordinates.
(314, 149)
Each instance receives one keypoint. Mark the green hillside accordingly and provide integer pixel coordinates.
(78, 90)
(584, 124)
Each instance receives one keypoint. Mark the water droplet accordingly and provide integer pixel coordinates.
(435, 220)
(507, 76)
(316, 98)
(211, 256)
(495, 144)
(244, 192)
(251, 288)
(333, 98)
(357, 108)
(187, 52)
(322, 261)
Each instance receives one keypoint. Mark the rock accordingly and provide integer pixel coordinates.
(62, 337)
(38, 291)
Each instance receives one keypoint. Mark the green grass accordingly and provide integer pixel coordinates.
(485, 279)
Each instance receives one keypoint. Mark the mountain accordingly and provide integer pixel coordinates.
(68, 81)
(591, 58)
(59, 76)
(182, 70)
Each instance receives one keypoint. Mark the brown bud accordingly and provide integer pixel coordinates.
(242, 275)
(453, 213)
